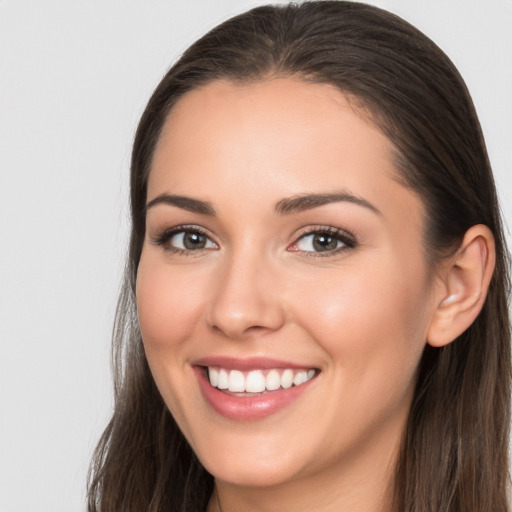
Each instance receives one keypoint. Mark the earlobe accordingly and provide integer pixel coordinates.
(463, 288)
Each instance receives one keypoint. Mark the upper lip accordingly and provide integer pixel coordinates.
(247, 364)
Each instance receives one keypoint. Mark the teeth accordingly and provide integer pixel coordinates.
(236, 381)
(223, 380)
(287, 379)
(213, 374)
(273, 380)
(256, 381)
(300, 378)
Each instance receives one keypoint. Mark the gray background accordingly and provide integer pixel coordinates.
(75, 76)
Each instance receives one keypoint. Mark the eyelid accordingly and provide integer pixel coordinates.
(347, 238)
(164, 236)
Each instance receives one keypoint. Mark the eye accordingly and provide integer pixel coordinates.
(324, 241)
(183, 240)
(191, 240)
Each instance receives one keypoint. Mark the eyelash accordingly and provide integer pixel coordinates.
(164, 238)
(347, 239)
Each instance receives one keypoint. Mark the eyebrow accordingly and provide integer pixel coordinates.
(304, 202)
(186, 203)
(294, 204)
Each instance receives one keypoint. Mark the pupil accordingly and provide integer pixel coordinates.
(324, 243)
(194, 241)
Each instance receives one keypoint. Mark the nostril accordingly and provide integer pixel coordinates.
(241, 332)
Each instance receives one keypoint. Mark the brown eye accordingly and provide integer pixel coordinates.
(194, 241)
(319, 242)
(190, 240)
(326, 241)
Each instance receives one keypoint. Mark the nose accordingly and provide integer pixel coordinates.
(246, 298)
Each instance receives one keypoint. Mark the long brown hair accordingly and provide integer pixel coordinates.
(454, 454)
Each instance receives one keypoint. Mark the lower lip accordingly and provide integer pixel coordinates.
(247, 408)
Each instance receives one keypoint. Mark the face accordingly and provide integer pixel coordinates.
(284, 262)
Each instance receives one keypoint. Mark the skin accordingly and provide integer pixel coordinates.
(361, 315)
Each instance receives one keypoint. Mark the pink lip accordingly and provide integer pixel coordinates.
(253, 363)
(247, 408)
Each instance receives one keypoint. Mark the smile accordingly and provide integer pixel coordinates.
(257, 381)
(252, 389)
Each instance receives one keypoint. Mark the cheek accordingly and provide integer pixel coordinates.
(168, 307)
(169, 303)
(368, 317)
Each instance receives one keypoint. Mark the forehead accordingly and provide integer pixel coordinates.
(271, 139)
(277, 111)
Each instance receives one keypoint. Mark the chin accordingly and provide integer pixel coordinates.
(251, 474)
(253, 468)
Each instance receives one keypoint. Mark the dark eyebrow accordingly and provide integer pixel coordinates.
(186, 203)
(303, 202)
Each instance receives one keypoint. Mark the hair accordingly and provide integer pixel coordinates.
(454, 452)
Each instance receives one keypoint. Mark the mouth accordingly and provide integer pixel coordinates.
(257, 382)
(254, 389)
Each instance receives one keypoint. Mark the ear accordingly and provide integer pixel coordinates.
(462, 286)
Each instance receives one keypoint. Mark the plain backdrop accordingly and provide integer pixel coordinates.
(75, 76)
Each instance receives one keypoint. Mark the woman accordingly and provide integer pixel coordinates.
(314, 315)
